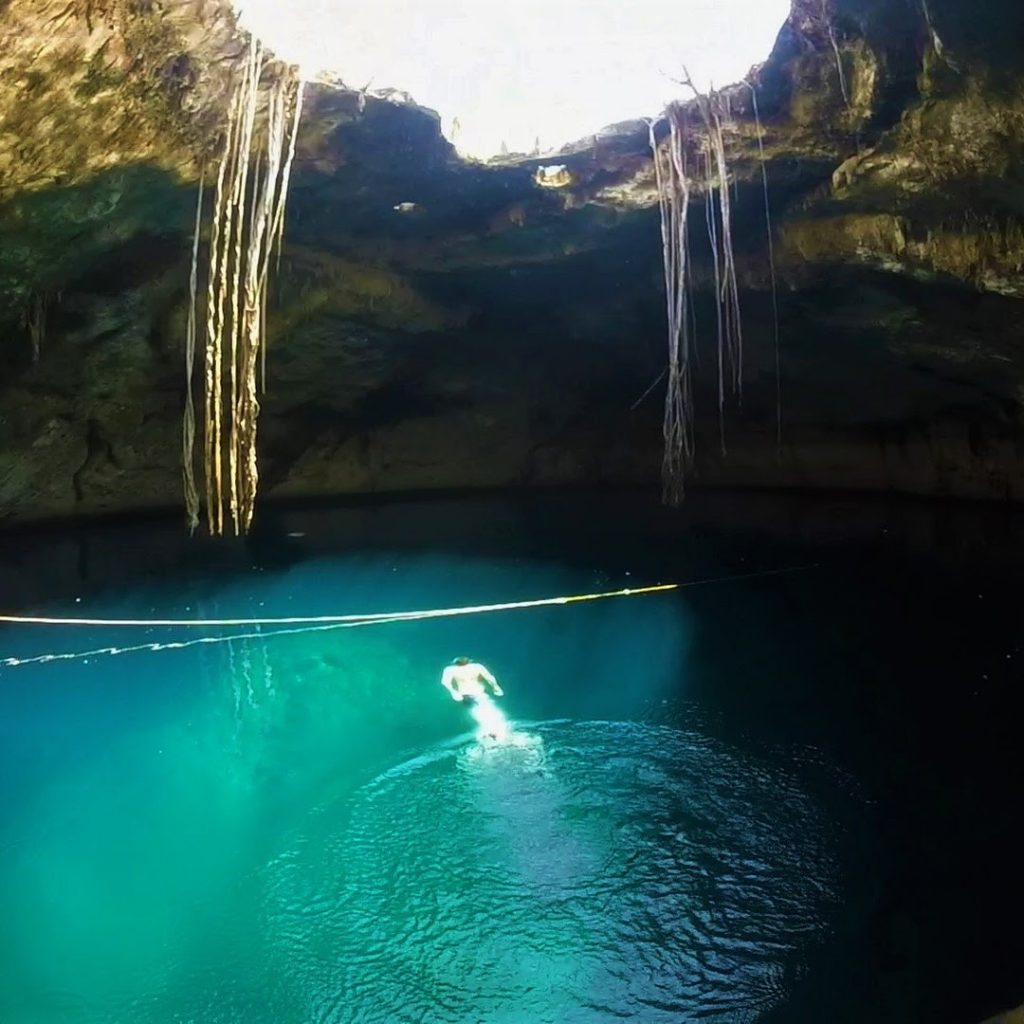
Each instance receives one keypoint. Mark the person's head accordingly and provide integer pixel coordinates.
(461, 661)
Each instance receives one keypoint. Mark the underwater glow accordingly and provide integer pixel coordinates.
(593, 871)
(491, 721)
(523, 76)
(687, 823)
(150, 799)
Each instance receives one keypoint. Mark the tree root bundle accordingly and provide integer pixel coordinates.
(247, 226)
(673, 178)
(671, 175)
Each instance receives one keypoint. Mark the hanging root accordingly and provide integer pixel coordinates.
(248, 220)
(250, 97)
(936, 41)
(277, 233)
(672, 177)
(711, 220)
(216, 283)
(674, 200)
(771, 267)
(830, 28)
(729, 297)
(188, 427)
(35, 320)
(715, 111)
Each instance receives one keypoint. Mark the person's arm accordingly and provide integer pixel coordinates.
(486, 676)
(448, 682)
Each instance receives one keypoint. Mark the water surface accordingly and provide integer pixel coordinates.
(777, 797)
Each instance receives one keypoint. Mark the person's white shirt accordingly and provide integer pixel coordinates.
(469, 680)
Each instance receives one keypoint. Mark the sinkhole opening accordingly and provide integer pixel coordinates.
(523, 77)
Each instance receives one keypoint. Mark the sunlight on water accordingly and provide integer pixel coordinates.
(578, 872)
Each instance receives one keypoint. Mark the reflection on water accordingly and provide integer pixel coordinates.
(578, 872)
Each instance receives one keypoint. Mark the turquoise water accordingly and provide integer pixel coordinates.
(579, 872)
(304, 827)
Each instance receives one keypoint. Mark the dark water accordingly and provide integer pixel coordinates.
(783, 797)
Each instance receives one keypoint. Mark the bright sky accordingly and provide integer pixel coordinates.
(513, 70)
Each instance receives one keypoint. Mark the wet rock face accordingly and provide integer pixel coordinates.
(441, 324)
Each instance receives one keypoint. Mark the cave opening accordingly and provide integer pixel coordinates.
(523, 77)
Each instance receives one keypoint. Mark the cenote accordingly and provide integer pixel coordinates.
(510, 513)
(777, 796)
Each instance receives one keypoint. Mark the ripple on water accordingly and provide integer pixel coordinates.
(582, 873)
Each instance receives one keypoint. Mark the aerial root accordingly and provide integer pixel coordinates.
(247, 226)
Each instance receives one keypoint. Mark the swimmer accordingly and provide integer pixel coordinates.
(464, 678)
(466, 681)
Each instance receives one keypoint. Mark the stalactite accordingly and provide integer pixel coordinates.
(188, 429)
(248, 220)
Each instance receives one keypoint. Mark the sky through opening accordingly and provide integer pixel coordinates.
(509, 74)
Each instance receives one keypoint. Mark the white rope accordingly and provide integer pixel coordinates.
(308, 620)
(178, 645)
(323, 623)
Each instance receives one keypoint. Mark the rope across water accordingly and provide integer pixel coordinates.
(311, 620)
(322, 623)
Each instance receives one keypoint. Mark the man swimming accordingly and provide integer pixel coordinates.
(464, 678)
(466, 681)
